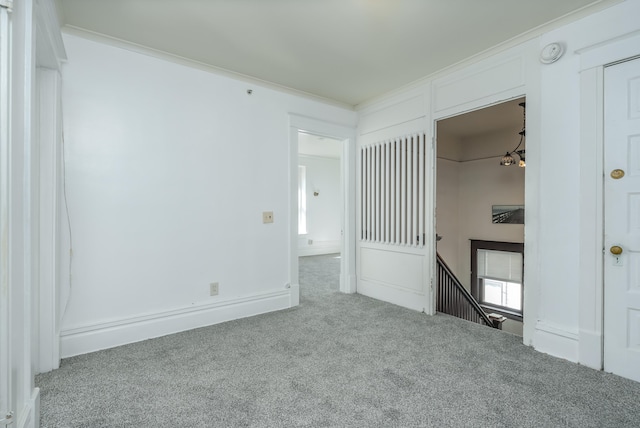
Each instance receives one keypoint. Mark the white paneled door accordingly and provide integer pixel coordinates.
(622, 219)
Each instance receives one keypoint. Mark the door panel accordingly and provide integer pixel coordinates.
(622, 220)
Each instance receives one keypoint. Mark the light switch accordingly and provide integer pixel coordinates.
(267, 216)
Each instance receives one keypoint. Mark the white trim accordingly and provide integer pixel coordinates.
(608, 51)
(347, 135)
(557, 341)
(591, 292)
(404, 297)
(94, 337)
(6, 385)
(48, 272)
(319, 248)
(30, 414)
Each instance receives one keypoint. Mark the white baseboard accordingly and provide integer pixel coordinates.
(396, 295)
(29, 417)
(590, 349)
(556, 341)
(294, 296)
(90, 338)
(350, 286)
(319, 248)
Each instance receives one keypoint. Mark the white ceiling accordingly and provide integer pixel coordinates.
(348, 51)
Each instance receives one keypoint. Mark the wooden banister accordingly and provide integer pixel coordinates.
(454, 299)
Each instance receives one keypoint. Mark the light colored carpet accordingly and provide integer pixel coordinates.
(335, 361)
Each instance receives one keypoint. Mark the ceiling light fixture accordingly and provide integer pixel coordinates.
(508, 158)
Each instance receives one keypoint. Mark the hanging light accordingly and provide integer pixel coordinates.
(508, 159)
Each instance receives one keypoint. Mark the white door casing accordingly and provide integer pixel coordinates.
(622, 219)
(5, 175)
(346, 134)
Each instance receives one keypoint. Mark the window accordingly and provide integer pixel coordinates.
(497, 276)
(302, 200)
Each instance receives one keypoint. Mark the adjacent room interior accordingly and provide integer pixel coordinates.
(472, 179)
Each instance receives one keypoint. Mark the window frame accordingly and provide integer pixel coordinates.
(476, 289)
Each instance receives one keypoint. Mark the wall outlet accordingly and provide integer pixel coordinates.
(267, 216)
(213, 289)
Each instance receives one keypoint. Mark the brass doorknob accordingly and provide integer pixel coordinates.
(617, 174)
(615, 250)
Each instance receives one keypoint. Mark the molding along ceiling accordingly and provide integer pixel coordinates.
(346, 51)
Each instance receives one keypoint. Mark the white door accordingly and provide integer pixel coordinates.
(622, 219)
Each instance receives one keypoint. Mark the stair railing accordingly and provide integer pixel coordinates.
(454, 299)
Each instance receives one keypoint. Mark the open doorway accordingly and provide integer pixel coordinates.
(320, 209)
(473, 183)
(346, 136)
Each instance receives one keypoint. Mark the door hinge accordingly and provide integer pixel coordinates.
(8, 416)
(7, 4)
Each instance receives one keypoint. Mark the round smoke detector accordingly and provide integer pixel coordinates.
(551, 53)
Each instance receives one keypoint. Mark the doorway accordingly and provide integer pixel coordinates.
(346, 136)
(471, 184)
(320, 208)
(622, 219)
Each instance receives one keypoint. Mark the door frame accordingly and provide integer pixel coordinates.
(614, 358)
(346, 134)
(5, 223)
(529, 256)
(593, 60)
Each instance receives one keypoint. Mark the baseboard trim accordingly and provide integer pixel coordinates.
(556, 341)
(350, 287)
(318, 250)
(591, 349)
(29, 417)
(95, 337)
(396, 295)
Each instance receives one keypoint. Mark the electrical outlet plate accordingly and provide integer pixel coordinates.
(267, 216)
(213, 289)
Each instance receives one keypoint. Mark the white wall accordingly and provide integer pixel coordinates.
(467, 190)
(484, 183)
(571, 181)
(169, 169)
(323, 211)
(562, 254)
(481, 184)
